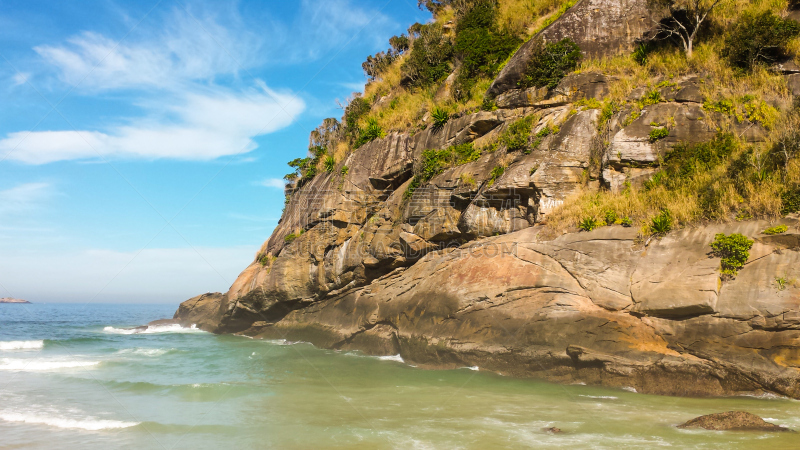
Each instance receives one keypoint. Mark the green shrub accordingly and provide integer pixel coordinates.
(640, 53)
(330, 164)
(626, 222)
(606, 113)
(651, 98)
(759, 39)
(611, 217)
(734, 250)
(429, 59)
(488, 104)
(589, 224)
(479, 45)
(781, 282)
(516, 136)
(344, 170)
(657, 134)
(369, 133)
(355, 110)
(790, 201)
(496, 173)
(375, 65)
(550, 63)
(289, 238)
(440, 117)
(399, 43)
(778, 229)
(662, 223)
(412, 187)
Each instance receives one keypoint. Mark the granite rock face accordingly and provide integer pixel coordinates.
(595, 307)
(460, 271)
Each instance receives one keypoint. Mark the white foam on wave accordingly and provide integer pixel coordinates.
(21, 345)
(396, 358)
(152, 329)
(88, 423)
(604, 397)
(284, 342)
(144, 351)
(34, 365)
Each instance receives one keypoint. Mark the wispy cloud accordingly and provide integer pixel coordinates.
(20, 78)
(276, 183)
(330, 24)
(24, 197)
(186, 48)
(205, 126)
(171, 74)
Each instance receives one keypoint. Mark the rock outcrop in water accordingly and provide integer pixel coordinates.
(732, 421)
(461, 270)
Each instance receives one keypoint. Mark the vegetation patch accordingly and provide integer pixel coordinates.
(734, 250)
(370, 132)
(778, 229)
(759, 39)
(550, 63)
(657, 134)
(589, 224)
(440, 117)
(496, 173)
(429, 58)
(480, 45)
(662, 223)
(434, 162)
(516, 136)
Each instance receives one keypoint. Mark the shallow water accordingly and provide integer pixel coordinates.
(71, 377)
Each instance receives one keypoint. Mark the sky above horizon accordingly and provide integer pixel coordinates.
(143, 143)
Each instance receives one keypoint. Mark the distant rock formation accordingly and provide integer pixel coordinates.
(12, 300)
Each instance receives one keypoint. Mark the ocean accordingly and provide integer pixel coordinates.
(73, 377)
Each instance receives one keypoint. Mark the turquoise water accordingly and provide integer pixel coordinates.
(71, 378)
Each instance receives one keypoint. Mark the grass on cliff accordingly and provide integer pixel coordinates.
(402, 108)
(740, 180)
(721, 180)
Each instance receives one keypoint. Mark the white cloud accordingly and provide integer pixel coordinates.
(206, 126)
(24, 197)
(276, 183)
(20, 78)
(187, 48)
(154, 275)
(333, 23)
(170, 72)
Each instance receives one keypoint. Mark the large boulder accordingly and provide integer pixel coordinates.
(599, 27)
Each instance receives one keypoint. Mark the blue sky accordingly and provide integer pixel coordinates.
(143, 142)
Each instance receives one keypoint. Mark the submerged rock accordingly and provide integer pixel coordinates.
(732, 421)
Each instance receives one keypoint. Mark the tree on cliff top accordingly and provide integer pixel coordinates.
(686, 18)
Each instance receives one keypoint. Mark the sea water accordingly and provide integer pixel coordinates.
(75, 376)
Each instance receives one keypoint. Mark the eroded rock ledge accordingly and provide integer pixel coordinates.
(595, 307)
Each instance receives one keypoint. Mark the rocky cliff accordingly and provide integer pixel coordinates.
(462, 270)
